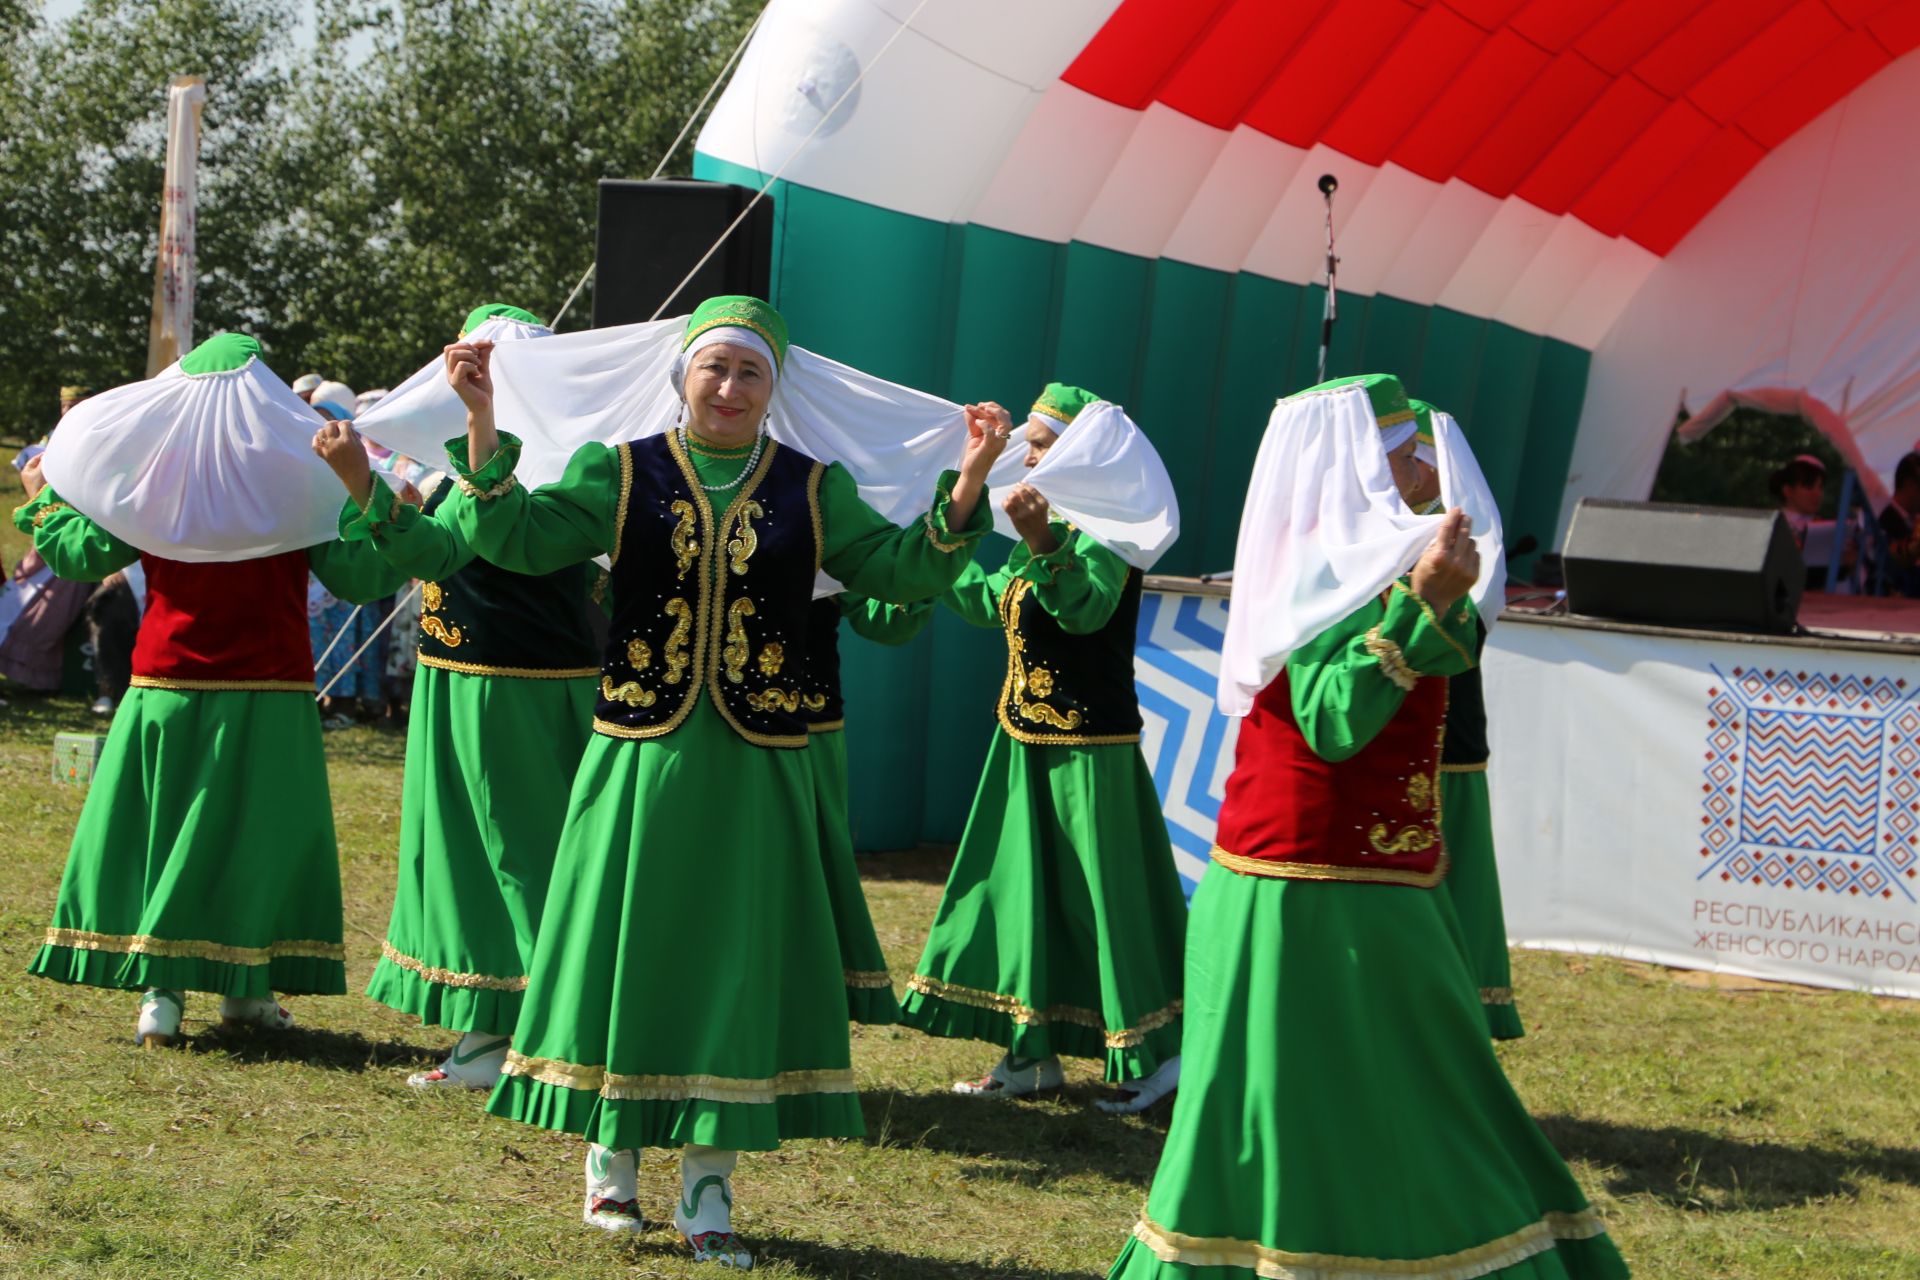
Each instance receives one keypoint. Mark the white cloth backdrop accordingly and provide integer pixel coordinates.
(1806, 278)
(1733, 806)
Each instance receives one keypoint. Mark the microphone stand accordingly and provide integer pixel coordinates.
(1328, 185)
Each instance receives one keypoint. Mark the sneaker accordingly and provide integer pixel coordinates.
(264, 1012)
(338, 722)
(1138, 1095)
(1013, 1077)
(159, 1024)
(474, 1063)
(102, 706)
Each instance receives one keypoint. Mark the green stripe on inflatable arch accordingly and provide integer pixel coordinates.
(1197, 356)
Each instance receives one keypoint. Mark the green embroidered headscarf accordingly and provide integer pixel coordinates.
(222, 353)
(1062, 403)
(738, 311)
(492, 310)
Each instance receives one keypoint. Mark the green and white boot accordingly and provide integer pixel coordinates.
(704, 1214)
(264, 1013)
(160, 1014)
(474, 1063)
(613, 1197)
(1013, 1077)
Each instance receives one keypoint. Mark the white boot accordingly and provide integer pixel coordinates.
(613, 1202)
(1013, 1077)
(474, 1063)
(160, 1013)
(1144, 1092)
(263, 1012)
(704, 1214)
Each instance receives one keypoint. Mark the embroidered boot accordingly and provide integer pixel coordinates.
(474, 1063)
(1013, 1077)
(263, 1012)
(705, 1212)
(612, 1196)
(1138, 1095)
(160, 1013)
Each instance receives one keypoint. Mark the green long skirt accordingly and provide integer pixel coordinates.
(686, 984)
(1341, 1112)
(1063, 920)
(490, 760)
(204, 859)
(870, 996)
(1473, 884)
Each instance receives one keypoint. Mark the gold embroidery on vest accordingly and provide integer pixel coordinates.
(446, 635)
(1406, 840)
(639, 654)
(735, 652)
(431, 596)
(1039, 682)
(741, 549)
(686, 547)
(775, 700)
(814, 702)
(1420, 792)
(677, 659)
(630, 693)
(773, 656)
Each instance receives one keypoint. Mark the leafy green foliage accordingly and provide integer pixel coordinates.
(356, 198)
(1730, 465)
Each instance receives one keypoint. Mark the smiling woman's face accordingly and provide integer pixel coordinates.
(728, 388)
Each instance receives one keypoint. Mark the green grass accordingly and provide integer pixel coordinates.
(1724, 1135)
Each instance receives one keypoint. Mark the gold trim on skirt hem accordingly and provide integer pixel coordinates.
(450, 977)
(869, 978)
(222, 686)
(1281, 1264)
(184, 949)
(1464, 768)
(649, 1088)
(1028, 1016)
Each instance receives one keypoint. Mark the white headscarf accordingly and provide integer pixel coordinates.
(336, 396)
(1324, 530)
(419, 416)
(1104, 476)
(199, 467)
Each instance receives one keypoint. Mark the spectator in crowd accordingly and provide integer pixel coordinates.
(1898, 520)
(304, 384)
(1799, 488)
(33, 651)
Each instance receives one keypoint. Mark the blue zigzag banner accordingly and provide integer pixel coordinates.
(1187, 742)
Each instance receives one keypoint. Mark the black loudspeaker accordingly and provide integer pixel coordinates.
(651, 234)
(1722, 568)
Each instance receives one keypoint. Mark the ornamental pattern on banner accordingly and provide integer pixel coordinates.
(1812, 783)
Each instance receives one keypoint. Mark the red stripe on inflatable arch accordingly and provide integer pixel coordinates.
(1635, 116)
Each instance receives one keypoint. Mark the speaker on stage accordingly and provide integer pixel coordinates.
(1676, 565)
(651, 234)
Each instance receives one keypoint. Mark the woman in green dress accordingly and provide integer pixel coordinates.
(502, 706)
(686, 989)
(1063, 919)
(1344, 1116)
(870, 998)
(204, 858)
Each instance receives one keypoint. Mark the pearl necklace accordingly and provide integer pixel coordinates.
(753, 460)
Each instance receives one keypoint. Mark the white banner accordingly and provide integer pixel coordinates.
(1735, 806)
(170, 332)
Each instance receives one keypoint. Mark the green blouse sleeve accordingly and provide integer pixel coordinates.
(884, 623)
(976, 595)
(73, 546)
(424, 546)
(1079, 582)
(354, 571)
(556, 525)
(876, 558)
(1350, 680)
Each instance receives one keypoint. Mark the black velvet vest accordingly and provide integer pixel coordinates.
(1064, 689)
(1465, 745)
(821, 704)
(489, 621)
(714, 599)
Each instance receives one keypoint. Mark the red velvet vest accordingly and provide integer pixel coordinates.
(237, 624)
(1373, 818)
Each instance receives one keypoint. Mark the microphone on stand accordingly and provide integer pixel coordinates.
(1328, 185)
